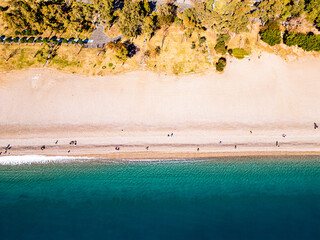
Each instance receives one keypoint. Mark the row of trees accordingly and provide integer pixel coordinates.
(271, 34)
(40, 40)
(308, 42)
(136, 17)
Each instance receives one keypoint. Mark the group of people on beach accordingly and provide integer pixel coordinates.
(73, 142)
(6, 149)
(117, 148)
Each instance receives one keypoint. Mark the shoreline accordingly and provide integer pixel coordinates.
(11, 160)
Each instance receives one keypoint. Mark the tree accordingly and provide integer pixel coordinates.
(313, 11)
(106, 10)
(273, 9)
(221, 64)
(166, 13)
(232, 17)
(120, 50)
(131, 19)
(221, 47)
(149, 26)
(271, 33)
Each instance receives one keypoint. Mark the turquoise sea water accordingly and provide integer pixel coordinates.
(230, 198)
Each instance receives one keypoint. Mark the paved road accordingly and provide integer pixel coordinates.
(99, 38)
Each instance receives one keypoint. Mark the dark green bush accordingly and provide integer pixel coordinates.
(308, 42)
(224, 37)
(34, 32)
(271, 33)
(221, 64)
(17, 33)
(9, 40)
(31, 40)
(221, 47)
(193, 45)
(23, 40)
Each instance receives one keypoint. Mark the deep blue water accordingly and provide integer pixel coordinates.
(231, 198)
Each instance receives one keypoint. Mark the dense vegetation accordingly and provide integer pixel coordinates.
(56, 16)
(308, 42)
(46, 21)
(270, 33)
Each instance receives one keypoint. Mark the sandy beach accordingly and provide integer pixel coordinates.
(242, 112)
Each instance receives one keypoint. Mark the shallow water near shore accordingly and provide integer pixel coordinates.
(227, 198)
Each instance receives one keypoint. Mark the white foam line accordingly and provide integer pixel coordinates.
(29, 159)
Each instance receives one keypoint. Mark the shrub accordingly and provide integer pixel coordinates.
(221, 47)
(17, 33)
(24, 33)
(1, 40)
(178, 22)
(224, 37)
(8, 40)
(34, 32)
(221, 64)
(71, 40)
(31, 40)
(147, 53)
(39, 40)
(15, 40)
(155, 52)
(193, 45)
(80, 42)
(120, 50)
(239, 53)
(23, 40)
(45, 40)
(104, 67)
(271, 33)
(202, 40)
(28, 32)
(230, 51)
(110, 64)
(65, 41)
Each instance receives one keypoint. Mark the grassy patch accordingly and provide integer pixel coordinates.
(239, 53)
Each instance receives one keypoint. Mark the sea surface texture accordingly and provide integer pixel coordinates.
(228, 198)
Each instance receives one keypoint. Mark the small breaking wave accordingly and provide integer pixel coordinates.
(30, 159)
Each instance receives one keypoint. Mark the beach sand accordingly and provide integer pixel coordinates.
(267, 96)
